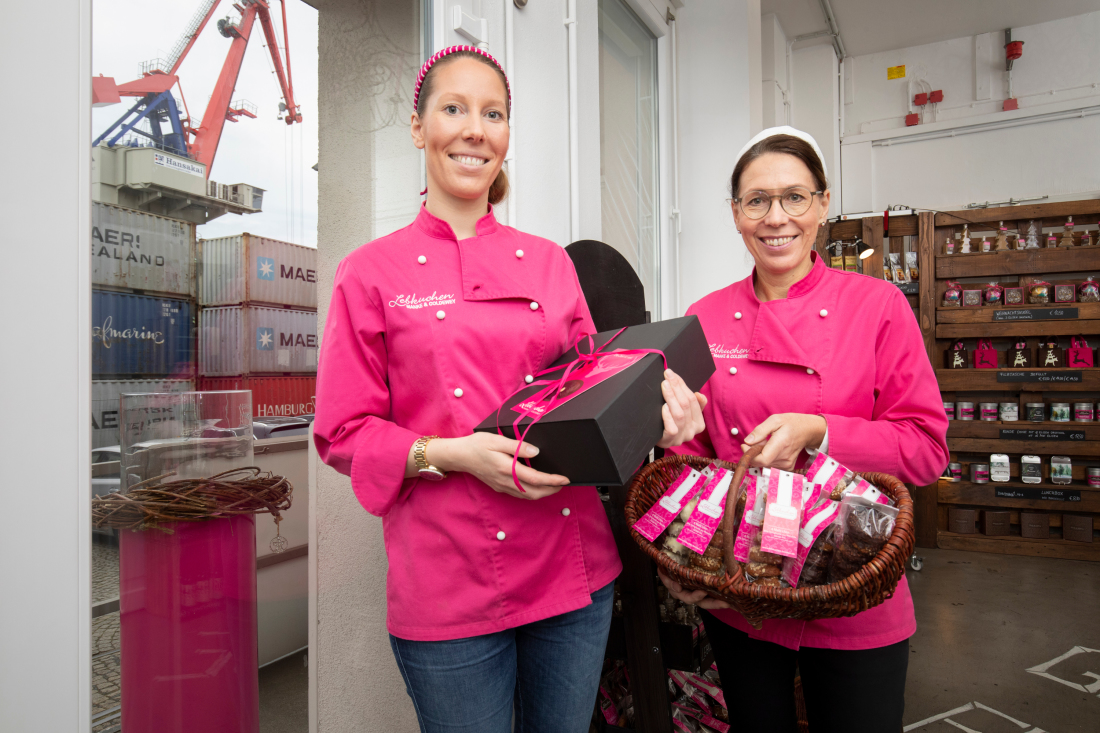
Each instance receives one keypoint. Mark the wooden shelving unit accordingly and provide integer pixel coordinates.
(976, 441)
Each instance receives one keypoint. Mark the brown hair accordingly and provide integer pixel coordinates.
(499, 189)
(787, 144)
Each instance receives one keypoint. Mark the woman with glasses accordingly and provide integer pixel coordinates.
(812, 358)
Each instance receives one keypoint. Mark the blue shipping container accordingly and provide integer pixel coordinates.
(139, 335)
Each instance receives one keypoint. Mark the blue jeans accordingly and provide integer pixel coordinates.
(548, 672)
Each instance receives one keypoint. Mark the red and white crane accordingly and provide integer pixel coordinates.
(157, 104)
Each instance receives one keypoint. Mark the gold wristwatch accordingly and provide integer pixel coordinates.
(426, 470)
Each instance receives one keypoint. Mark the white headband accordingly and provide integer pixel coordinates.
(786, 130)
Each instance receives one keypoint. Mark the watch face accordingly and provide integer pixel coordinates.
(431, 474)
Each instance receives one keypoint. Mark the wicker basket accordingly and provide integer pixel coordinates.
(867, 587)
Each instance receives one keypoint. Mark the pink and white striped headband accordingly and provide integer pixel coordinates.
(447, 52)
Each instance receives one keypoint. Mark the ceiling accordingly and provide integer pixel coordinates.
(871, 26)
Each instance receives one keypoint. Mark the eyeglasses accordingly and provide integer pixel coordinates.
(795, 201)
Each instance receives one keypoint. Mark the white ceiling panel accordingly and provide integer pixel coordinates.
(871, 26)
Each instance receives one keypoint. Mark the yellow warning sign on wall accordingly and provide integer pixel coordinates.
(895, 72)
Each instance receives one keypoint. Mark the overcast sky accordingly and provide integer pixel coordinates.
(255, 151)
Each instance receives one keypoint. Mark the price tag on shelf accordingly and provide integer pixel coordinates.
(1050, 377)
(1035, 314)
(1004, 492)
(1029, 434)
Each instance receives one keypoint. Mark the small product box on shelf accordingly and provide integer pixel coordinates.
(1061, 470)
(1009, 412)
(999, 469)
(1031, 470)
(1065, 293)
(1036, 411)
(972, 298)
(1077, 527)
(1059, 412)
(1035, 525)
(995, 523)
(964, 410)
(1014, 296)
(963, 521)
(607, 416)
(1082, 412)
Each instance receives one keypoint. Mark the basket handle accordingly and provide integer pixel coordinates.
(731, 502)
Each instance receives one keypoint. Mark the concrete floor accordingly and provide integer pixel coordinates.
(284, 696)
(983, 621)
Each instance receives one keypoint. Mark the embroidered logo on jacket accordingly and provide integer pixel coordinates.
(412, 302)
(720, 351)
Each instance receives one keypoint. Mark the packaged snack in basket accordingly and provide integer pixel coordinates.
(911, 265)
(828, 474)
(704, 521)
(811, 564)
(748, 533)
(863, 527)
(779, 533)
(671, 503)
(861, 487)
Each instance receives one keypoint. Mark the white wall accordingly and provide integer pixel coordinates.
(968, 149)
(368, 183)
(714, 85)
(816, 107)
(46, 542)
(774, 52)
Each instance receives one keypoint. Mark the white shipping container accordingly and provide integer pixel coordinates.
(250, 269)
(105, 395)
(140, 251)
(249, 339)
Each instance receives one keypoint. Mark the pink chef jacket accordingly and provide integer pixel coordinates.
(847, 347)
(427, 335)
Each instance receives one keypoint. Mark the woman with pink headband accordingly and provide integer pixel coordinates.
(499, 599)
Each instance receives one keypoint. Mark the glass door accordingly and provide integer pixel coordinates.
(629, 164)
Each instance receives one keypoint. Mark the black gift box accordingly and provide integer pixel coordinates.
(601, 436)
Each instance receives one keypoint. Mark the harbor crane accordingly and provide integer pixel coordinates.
(174, 132)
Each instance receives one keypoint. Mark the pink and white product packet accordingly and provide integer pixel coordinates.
(704, 521)
(783, 517)
(756, 500)
(661, 514)
(815, 521)
(862, 487)
(829, 473)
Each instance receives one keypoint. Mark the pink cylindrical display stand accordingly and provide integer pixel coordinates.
(188, 628)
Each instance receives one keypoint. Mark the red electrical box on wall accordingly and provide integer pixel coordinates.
(912, 119)
(936, 96)
(921, 99)
(1010, 104)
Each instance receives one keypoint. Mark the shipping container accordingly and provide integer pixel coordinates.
(271, 396)
(249, 339)
(139, 251)
(105, 394)
(138, 335)
(251, 269)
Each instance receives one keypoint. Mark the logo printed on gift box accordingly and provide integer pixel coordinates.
(412, 302)
(720, 351)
